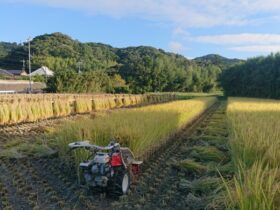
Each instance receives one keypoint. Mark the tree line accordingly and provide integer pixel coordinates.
(257, 77)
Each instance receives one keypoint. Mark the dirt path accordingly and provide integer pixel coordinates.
(47, 183)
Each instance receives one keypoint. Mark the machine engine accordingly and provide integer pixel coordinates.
(110, 169)
(97, 171)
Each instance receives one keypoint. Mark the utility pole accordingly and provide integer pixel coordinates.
(23, 65)
(29, 64)
(79, 66)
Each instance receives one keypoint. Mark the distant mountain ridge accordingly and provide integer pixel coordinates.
(64, 46)
(218, 60)
(144, 68)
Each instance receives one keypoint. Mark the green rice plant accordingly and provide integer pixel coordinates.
(207, 185)
(215, 131)
(191, 166)
(213, 140)
(207, 153)
(225, 169)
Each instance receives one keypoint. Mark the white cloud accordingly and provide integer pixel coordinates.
(176, 47)
(178, 31)
(239, 39)
(245, 42)
(182, 13)
(257, 48)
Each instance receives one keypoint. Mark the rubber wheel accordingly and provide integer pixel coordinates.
(119, 183)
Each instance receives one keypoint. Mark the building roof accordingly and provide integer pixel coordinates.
(5, 72)
(45, 71)
(15, 72)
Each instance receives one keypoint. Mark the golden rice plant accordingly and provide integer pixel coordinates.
(26, 108)
(100, 104)
(145, 99)
(255, 146)
(33, 107)
(118, 101)
(15, 112)
(83, 105)
(126, 101)
(61, 108)
(46, 109)
(132, 100)
(4, 114)
(141, 129)
(35, 110)
(138, 99)
(111, 102)
(153, 99)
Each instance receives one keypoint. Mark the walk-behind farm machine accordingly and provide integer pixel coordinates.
(111, 167)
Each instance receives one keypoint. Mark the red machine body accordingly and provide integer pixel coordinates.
(116, 160)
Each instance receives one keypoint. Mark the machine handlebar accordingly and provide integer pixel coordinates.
(87, 145)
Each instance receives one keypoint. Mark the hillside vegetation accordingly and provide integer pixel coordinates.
(108, 69)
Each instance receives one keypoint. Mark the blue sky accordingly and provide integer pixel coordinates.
(232, 28)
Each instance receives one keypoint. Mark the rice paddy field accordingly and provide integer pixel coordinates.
(255, 144)
(198, 152)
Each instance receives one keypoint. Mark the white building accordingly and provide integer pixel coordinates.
(45, 71)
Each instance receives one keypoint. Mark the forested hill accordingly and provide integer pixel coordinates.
(104, 67)
(218, 60)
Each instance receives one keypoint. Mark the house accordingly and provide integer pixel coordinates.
(5, 73)
(44, 71)
(17, 72)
